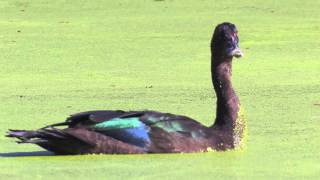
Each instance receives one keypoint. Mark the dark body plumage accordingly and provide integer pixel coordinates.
(133, 132)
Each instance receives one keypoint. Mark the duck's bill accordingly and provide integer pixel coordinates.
(237, 53)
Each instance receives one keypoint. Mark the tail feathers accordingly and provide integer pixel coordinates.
(22, 135)
(32, 141)
(26, 136)
(55, 140)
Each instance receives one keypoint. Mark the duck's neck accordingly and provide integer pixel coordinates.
(227, 100)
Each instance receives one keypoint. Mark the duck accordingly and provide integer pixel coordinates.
(141, 132)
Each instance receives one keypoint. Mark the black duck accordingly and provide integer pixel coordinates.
(132, 132)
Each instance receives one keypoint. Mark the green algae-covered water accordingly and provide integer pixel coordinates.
(60, 57)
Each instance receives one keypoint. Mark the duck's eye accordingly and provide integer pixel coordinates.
(228, 45)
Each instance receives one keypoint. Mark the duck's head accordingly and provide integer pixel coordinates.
(225, 41)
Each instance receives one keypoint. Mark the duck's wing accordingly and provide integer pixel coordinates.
(139, 128)
(152, 131)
